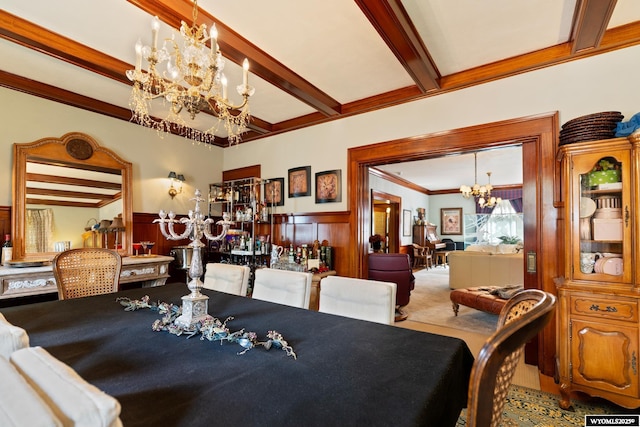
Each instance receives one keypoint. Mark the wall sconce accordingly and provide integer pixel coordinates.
(178, 180)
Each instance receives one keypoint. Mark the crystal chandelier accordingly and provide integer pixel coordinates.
(191, 81)
(481, 192)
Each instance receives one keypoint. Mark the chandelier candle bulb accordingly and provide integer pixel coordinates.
(138, 56)
(245, 72)
(223, 80)
(155, 26)
(214, 41)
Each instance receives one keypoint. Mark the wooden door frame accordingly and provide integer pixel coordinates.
(538, 135)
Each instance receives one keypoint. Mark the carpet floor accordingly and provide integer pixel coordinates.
(430, 303)
(525, 407)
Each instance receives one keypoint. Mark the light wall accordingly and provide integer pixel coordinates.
(445, 201)
(27, 118)
(602, 83)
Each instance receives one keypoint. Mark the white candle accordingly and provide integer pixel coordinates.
(155, 26)
(214, 40)
(138, 55)
(224, 86)
(245, 73)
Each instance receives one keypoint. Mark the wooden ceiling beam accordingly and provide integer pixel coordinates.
(52, 93)
(55, 179)
(615, 38)
(67, 194)
(236, 48)
(32, 36)
(392, 22)
(590, 22)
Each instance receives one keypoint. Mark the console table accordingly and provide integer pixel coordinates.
(19, 282)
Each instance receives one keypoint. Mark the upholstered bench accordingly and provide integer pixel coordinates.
(489, 299)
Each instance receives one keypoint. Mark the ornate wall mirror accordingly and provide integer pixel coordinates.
(62, 188)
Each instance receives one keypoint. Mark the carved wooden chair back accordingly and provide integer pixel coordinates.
(520, 320)
(422, 256)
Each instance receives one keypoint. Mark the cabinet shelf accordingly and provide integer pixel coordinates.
(616, 191)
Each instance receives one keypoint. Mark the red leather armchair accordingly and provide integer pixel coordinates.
(394, 268)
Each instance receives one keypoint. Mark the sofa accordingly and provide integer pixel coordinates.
(492, 266)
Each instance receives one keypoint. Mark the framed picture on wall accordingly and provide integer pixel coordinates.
(300, 181)
(274, 191)
(451, 221)
(329, 186)
(406, 222)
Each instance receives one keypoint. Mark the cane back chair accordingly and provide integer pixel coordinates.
(87, 271)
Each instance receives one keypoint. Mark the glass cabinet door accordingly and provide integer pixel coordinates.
(601, 228)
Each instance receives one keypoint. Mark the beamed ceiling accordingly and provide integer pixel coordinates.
(312, 61)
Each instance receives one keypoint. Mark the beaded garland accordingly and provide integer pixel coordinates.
(211, 328)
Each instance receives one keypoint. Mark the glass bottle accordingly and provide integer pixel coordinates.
(7, 249)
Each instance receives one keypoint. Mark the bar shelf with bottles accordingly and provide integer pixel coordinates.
(248, 241)
(315, 258)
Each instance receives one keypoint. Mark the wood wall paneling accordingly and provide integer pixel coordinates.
(5, 221)
(334, 227)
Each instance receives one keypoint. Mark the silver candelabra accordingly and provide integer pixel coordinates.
(195, 305)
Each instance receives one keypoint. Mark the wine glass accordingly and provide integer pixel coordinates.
(137, 247)
(147, 246)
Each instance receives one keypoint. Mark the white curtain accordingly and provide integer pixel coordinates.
(39, 231)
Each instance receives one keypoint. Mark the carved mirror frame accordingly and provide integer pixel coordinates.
(73, 149)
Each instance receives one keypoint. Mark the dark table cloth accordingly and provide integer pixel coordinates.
(348, 372)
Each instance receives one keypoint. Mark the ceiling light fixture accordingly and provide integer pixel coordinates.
(481, 192)
(193, 81)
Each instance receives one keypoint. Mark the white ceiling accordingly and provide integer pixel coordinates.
(312, 60)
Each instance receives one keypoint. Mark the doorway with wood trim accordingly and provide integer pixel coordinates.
(385, 219)
(538, 136)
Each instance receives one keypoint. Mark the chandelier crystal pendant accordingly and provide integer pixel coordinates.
(480, 192)
(192, 81)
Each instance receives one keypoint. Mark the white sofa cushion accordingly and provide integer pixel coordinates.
(482, 248)
(12, 338)
(20, 405)
(473, 269)
(72, 399)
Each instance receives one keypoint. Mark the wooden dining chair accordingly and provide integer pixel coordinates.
(283, 287)
(521, 319)
(87, 271)
(229, 278)
(363, 299)
(422, 256)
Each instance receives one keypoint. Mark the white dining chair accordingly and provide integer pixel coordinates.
(283, 287)
(229, 278)
(362, 299)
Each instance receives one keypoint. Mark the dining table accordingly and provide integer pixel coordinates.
(345, 372)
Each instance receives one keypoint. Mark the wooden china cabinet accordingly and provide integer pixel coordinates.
(598, 322)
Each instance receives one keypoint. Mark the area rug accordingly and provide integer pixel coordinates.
(430, 303)
(525, 407)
